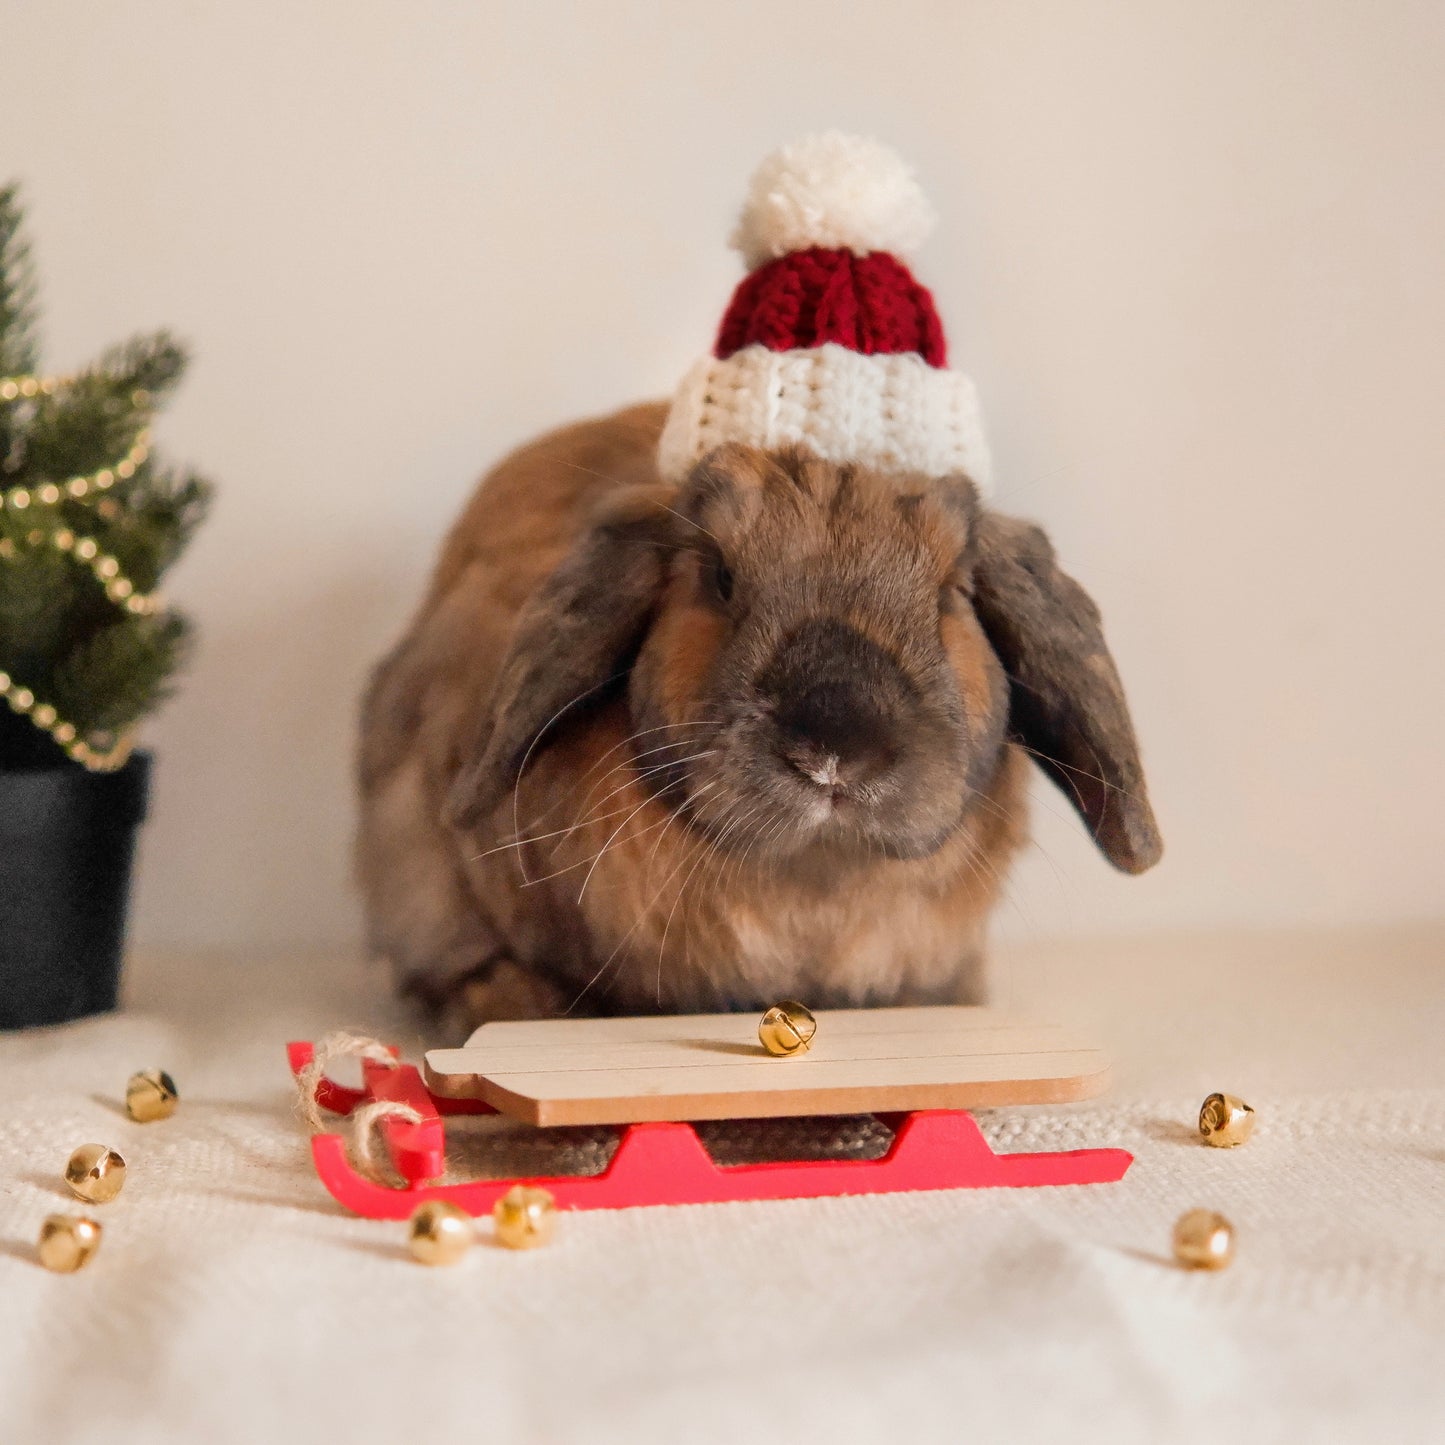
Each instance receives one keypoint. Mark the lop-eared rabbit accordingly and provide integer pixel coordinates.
(763, 734)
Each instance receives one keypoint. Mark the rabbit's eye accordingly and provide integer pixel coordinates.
(722, 581)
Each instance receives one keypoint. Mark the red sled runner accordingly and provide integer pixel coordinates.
(664, 1161)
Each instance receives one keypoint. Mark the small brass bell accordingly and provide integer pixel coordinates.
(151, 1095)
(524, 1217)
(67, 1242)
(787, 1028)
(95, 1173)
(1203, 1240)
(1225, 1121)
(439, 1233)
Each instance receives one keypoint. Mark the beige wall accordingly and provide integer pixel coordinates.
(1192, 254)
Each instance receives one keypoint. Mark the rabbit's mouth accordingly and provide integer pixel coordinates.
(825, 747)
(778, 797)
(832, 789)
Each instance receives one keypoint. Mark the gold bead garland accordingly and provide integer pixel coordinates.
(12, 388)
(50, 493)
(98, 760)
(106, 569)
(18, 388)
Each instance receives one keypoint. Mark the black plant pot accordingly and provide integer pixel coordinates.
(66, 841)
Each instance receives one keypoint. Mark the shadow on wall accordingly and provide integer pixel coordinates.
(253, 813)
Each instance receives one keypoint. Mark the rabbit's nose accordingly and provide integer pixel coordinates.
(835, 737)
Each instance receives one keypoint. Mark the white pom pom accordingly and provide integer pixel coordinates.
(839, 191)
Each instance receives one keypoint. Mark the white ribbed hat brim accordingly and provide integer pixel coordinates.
(891, 412)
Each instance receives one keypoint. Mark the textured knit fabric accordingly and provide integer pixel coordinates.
(832, 190)
(894, 412)
(867, 303)
(829, 343)
(233, 1301)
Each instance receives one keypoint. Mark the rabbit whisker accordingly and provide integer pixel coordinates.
(1060, 876)
(617, 481)
(642, 733)
(531, 747)
(716, 848)
(631, 737)
(537, 838)
(625, 821)
(638, 777)
(636, 924)
(638, 774)
(662, 945)
(1082, 772)
(675, 815)
(689, 522)
(594, 858)
(572, 827)
(722, 885)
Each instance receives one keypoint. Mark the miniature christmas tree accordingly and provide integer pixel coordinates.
(88, 524)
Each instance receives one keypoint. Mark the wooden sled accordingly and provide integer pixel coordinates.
(919, 1070)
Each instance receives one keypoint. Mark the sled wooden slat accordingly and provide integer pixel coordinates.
(711, 1066)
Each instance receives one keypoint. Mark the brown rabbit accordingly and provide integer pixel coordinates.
(761, 735)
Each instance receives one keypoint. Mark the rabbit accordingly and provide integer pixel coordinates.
(761, 735)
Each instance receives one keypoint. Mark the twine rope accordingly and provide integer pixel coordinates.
(366, 1119)
(365, 1122)
(341, 1044)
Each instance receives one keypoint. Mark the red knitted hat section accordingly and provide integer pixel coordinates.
(869, 304)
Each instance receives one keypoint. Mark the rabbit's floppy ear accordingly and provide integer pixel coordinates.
(573, 637)
(1066, 704)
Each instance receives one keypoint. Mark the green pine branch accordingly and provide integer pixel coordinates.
(121, 672)
(101, 666)
(160, 513)
(94, 420)
(19, 345)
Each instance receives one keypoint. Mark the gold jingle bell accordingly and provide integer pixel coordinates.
(524, 1217)
(1225, 1121)
(787, 1028)
(439, 1233)
(1203, 1240)
(151, 1095)
(95, 1173)
(67, 1242)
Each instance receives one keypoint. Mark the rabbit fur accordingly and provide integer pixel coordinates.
(762, 735)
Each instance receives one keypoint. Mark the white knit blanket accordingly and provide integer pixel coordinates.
(233, 1301)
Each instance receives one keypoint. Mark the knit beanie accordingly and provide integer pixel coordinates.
(829, 341)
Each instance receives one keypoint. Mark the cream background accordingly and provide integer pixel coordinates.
(1191, 254)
